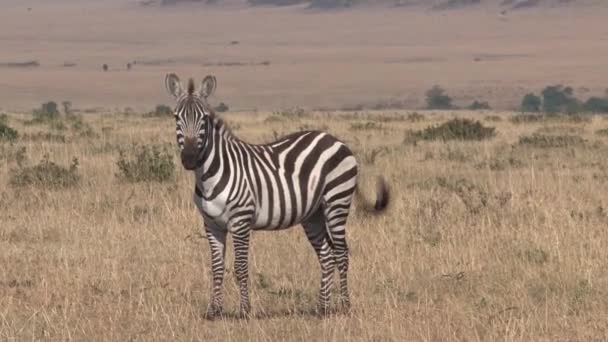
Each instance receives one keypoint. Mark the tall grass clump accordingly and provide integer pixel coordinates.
(145, 164)
(46, 174)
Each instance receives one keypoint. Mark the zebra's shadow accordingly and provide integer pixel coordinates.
(282, 313)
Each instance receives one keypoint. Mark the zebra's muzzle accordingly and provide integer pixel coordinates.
(190, 157)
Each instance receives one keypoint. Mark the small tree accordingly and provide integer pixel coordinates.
(50, 108)
(531, 103)
(437, 99)
(559, 99)
(596, 105)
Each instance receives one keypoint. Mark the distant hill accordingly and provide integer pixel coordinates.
(439, 5)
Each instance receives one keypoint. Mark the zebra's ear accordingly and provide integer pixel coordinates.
(208, 86)
(173, 85)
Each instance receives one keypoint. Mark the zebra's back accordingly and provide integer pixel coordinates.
(308, 168)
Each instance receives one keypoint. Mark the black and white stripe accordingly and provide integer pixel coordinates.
(306, 178)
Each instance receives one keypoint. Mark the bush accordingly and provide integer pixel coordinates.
(551, 141)
(456, 129)
(222, 107)
(45, 136)
(145, 164)
(362, 126)
(493, 118)
(527, 118)
(415, 117)
(46, 174)
(602, 132)
(437, 99)
(531, 103)
(596, 105)
(161, 111)
(476, 105)
(7, 133)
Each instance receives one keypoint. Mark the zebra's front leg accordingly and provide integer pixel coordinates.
(240, 237)
(217, 242)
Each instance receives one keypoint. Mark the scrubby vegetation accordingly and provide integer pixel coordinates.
(46, 174)
(551, 141)
(477, 105)
(145, 164)
(161, 111)
(456, 129)
(7, 133)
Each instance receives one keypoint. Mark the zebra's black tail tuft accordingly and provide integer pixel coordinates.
(382, 198)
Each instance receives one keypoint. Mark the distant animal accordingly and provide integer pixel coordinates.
(307, 178)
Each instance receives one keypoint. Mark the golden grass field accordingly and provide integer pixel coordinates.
(490, 240)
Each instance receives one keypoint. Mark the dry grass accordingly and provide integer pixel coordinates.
(467, 252)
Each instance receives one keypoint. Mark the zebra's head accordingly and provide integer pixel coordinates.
(192, 114)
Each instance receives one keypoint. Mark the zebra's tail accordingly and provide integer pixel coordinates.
(382, 198)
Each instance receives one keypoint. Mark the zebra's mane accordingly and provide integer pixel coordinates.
(190, 87)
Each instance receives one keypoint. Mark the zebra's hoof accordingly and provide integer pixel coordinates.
(323, 312)
(345, 305)
(246, 315)
(213, 314)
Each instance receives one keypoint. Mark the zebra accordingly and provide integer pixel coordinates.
(307, 178)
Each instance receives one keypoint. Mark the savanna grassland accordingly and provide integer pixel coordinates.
(502, 238)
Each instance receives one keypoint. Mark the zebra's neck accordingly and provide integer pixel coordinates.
(216, 162)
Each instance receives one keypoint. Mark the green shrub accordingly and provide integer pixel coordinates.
(456, 129)
(3, 118)
(596, 105)
(145, 164)
(7, 133)
(46, 174)
(437, 99)
(477, 105)
(551, 141)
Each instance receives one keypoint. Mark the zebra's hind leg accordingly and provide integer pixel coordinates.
(315, 230)
(336, 215)
(217, 242)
